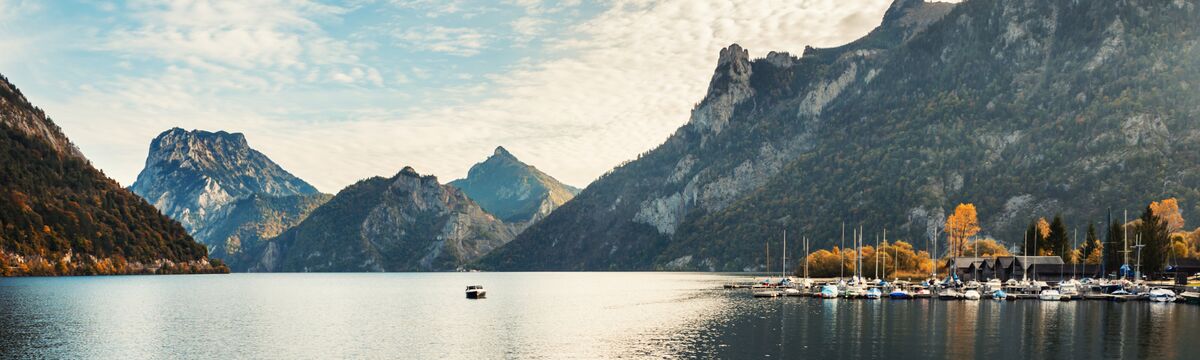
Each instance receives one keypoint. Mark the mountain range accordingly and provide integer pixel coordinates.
(408, 222)
(1024, 108)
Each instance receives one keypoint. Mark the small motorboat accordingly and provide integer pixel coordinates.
(792, 292)
(874, 293)
(900, 294)
(1190, 297)
(855, 292)
(922, 293)
(476, 292)
(950, 294)
(1162, 295)
(971, 295)
(1050, 295)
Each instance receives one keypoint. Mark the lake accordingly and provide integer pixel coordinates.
(549, 315)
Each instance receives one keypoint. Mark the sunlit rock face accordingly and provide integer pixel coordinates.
(1024, 108)
(226, 194)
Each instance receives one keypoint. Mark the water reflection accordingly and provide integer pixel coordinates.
(551, 315)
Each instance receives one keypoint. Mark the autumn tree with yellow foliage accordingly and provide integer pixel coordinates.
(960, 227)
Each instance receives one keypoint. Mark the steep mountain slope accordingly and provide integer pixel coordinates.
(515, 192)
(226, 194)
(1025, 108)
(61, 216)
(406, 223)
(256, 218)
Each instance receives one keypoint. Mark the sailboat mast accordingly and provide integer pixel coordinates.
(806, 257)
(841, 255)
(783, 268)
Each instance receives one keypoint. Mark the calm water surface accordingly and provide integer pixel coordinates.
(549, 315)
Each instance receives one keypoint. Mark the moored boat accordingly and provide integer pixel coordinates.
(999, 295)
(971, 295)
(950, 294)
(874, 293)
(899, 294)
(828, 292)
(1050, 295)
(1162, 295)
(1190, 297)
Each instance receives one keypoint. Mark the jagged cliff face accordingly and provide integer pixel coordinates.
(226, 194)
(406, 223)
(61, 216)
(1025, 108)
(515, 192)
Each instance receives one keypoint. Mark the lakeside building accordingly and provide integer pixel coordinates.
(1017, 267)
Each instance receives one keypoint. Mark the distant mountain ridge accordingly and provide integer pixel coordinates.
(515, 192)
(408, 222)
(228, 195)
(61, 216)
(1024, 108)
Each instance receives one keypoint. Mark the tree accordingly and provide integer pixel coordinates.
(1112, 246)
(1092, 248)
(986, 248)
(1155, 238)
(1058, 242)
(961, 226)
(1168, 211)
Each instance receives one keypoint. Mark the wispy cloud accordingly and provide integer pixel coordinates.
(336, 93)
(453, 41)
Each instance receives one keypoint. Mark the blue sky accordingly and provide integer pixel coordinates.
(340, 91)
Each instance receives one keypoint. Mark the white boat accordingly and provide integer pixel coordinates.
(791, 292)
(971, 295)
(829, 292)
(855, 292)
(992, 285)
(1162, 295)
(1050, 295)
(874, 293)
(1069, 289)
(476, 292)
(950, 294)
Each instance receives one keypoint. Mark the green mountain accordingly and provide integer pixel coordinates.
(515, 192)
(406, 223)
(1024, 108)
(226, 194)
(61, 216)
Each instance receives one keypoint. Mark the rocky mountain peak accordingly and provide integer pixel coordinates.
(409, 172)
(502, 152)
(512, 190)
(733, 53)
(191, 175)
(730, 85)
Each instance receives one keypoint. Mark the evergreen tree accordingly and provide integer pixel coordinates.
(1057, 243)
(1090, 242)
(1155, 236)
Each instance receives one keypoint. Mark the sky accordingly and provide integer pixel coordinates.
(336, 92)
